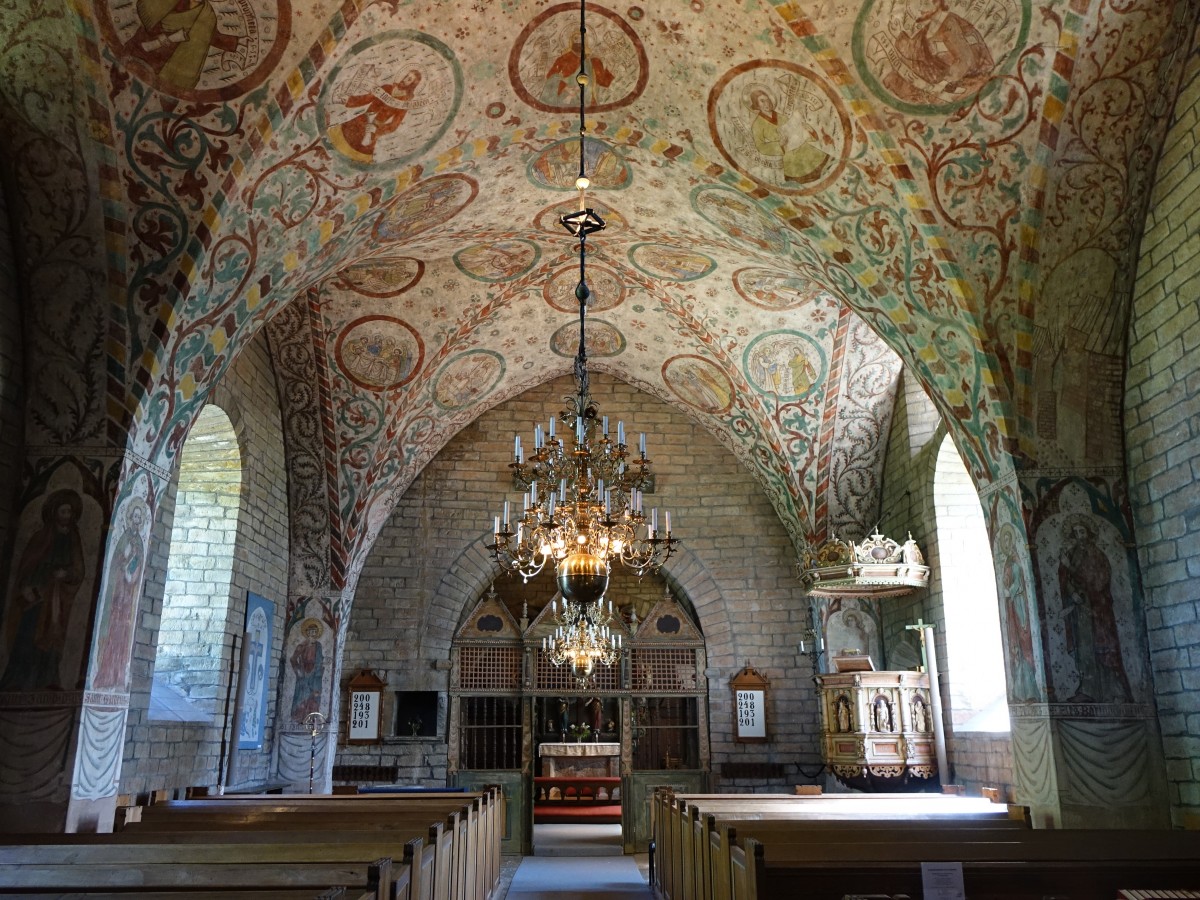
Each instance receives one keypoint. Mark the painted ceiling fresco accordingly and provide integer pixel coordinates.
(799, 196)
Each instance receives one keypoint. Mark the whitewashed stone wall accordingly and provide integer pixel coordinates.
(1162, 419)
(200, 565)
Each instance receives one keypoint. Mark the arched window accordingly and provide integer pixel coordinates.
(974, 667)
(189, 661)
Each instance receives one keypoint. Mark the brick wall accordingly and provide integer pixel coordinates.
(11, 378)
(1162, 420)
(172, 754)
(910, 503)
(755, 614)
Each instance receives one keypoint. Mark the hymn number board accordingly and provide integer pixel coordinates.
(749, 706)
(366, 694)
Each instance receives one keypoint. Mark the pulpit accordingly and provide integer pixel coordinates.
(593, 760)
(878, 730)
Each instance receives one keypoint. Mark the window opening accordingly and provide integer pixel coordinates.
(190, 665)
(975, 664)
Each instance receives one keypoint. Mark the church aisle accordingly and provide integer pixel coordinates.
(597, 878)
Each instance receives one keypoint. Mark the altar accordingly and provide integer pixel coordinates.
(586, 759)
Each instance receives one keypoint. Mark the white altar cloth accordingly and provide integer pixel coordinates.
(580, 759)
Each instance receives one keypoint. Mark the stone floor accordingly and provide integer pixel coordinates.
(575, 861)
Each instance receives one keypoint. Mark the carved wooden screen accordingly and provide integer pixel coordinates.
(664, 669)
(666, 733)
(491, 733)
(484, 668)
(558, 679)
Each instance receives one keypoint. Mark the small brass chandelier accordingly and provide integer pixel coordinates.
(582, 505)
(583, 637)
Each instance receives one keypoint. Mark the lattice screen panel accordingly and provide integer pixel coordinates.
(664, 669)
(489, 668)
(550, 677)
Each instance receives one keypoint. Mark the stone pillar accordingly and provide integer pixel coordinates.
(1086, 746)
(313, 642)
(83, 534)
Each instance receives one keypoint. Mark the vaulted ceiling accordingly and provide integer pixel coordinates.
(798, 197)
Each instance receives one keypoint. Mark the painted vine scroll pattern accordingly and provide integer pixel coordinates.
(60, 238)
(1125, 72)
(880, 245)
(303, 395)
(858, 443)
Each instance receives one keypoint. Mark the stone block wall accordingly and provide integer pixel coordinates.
(737, 569)
(12, 425)
(908, 503)
(1162, 420)
(199, 569)
(166, 755)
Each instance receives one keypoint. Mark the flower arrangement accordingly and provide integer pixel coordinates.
(415, 725)
(581, 732)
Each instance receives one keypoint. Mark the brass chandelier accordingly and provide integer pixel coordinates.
(582, 505)
(583, 637)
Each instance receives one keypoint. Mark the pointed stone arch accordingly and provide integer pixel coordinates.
(474, 570)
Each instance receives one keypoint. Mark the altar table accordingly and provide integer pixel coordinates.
(588, 759)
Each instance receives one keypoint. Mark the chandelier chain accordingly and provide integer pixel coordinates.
(583, 504)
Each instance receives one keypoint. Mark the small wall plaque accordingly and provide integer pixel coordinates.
(749, 706)
(366, 693)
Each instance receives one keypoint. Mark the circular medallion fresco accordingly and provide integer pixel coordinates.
(933, 56)
(497, 260)
(557, 166)
(670, 263)
(379, 352)
(776, 291)
(779, 124)
(740, 218)
(545, 60)
(548, 218)
(467, 378)
(424, 206)
(205, 50)
(699, 383)
(600, 339)
(607, 290)
(785, 363)
(382, 278)
(391, 99)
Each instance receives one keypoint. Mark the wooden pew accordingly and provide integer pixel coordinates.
(335, 893)
(474, 819)
(1028, 865)
(479, 822)
(459, 860)
(85, 861)
(42, 868)
(827, 806)
(683, 850)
